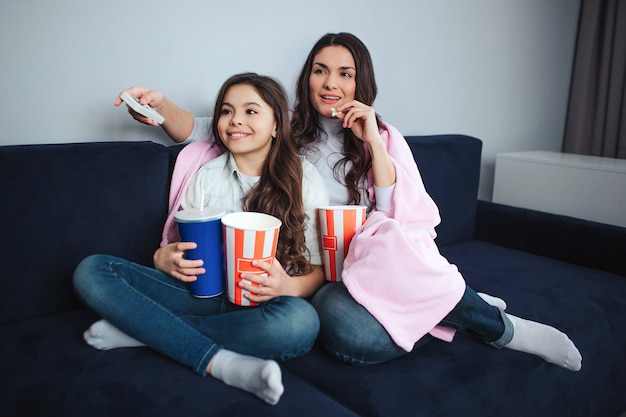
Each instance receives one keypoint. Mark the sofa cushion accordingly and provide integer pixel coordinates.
(450, 167)
(51, 371)
(466, 377)
(63, 202)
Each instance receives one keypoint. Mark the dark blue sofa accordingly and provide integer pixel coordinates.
(63, 202)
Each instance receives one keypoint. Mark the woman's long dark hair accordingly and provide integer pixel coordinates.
(304, 120)
(279, 190)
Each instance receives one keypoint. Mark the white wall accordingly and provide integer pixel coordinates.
(495, 69)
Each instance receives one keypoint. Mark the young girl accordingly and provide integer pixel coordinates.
(382, 309)
(260, 172)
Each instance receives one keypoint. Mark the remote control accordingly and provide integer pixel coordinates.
(144, 110)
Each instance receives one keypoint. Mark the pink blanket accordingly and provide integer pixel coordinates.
(394, 268)
(396, 272)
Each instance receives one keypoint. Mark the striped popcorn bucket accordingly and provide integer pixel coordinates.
(248, 236)
(338, 224)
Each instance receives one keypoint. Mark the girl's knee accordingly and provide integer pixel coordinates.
(301, 317)
(331, 298)
(88, 273)
(299, 320)
(83, 271)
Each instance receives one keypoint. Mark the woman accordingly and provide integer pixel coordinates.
(260, 172)
(366, 320)
(367, 161)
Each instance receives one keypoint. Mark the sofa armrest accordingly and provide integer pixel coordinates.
(581, 242)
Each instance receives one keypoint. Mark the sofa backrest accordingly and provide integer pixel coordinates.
(63, 202)
(450, 169)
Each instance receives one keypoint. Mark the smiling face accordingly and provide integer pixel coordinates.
(333, 79)
(246, 127)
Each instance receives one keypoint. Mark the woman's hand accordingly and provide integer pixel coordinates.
(171, 260)
(361, 119)
(147, 96)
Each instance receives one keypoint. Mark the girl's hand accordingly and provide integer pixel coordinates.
(361, 119)
(171, 260)
(272, 283)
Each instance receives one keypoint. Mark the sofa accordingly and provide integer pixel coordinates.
(62, 202)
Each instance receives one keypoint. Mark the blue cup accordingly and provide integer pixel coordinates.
(204, 227)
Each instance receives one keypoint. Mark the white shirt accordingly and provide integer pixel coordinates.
(331, 147)
(225, 187)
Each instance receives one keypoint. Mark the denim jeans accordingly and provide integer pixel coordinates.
(351, 334)
(160, 311)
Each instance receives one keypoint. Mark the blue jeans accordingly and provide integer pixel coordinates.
(160, 311)
(351, 334)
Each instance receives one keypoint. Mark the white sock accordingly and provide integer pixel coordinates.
(104, 336)
(494, 301)
(544, 341)
(258, 376)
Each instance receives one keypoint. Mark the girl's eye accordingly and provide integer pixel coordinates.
(251, 111)
(226, 111)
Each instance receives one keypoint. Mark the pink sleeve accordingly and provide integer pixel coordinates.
(410, 204)
(190, 159)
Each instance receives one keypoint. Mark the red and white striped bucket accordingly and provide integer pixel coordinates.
(248, 236)
(338, 225)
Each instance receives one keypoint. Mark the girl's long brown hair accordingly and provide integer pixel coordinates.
(304, 121)
(279, 190)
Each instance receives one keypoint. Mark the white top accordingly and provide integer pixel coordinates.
(225, 187)
(331, 146)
